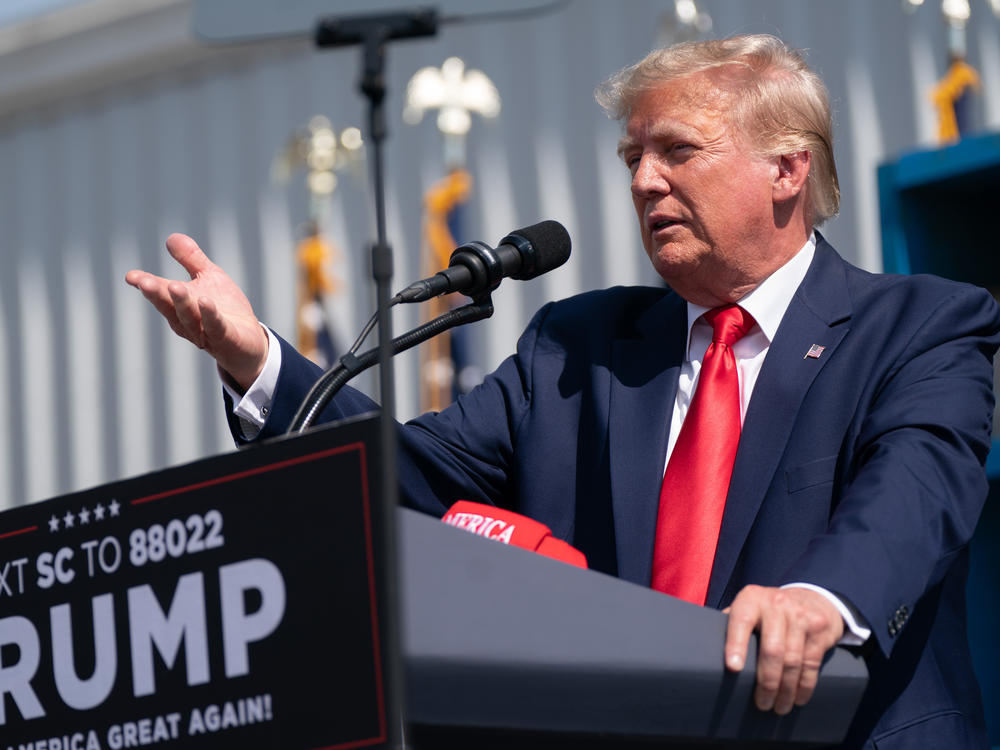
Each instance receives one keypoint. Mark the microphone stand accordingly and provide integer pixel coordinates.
(333, 380)
(373, 32)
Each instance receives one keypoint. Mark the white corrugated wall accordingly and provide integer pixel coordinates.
(113, 137)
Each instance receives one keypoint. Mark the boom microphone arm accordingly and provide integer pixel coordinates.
(350, 365)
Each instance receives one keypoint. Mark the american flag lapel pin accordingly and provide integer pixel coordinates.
(814, 351)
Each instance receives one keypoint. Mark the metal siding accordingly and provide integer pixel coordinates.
(94, 386)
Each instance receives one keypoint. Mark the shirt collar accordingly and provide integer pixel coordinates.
(769, 301)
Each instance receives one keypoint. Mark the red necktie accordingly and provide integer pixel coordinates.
(696, 481)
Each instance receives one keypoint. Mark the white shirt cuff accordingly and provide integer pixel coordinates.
(856, 631)
(253, 406)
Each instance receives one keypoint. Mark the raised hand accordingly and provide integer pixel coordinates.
(210, 311)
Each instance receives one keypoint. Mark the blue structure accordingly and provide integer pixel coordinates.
(939, 214)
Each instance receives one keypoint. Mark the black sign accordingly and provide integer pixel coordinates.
(233, 602)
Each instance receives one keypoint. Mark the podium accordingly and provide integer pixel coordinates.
(498, 638)
(116, 629)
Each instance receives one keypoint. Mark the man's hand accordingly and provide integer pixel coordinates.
(210, 311)
(796, 629)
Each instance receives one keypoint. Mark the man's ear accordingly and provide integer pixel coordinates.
(790, 178)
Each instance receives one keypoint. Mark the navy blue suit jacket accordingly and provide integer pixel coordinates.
(860, 471)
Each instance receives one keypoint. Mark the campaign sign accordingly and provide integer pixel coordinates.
(229, 603)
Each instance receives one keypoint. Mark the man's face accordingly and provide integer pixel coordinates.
(703, 198)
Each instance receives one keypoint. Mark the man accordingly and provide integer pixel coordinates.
(865, 401)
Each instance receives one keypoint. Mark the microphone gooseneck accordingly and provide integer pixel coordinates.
(475, 269)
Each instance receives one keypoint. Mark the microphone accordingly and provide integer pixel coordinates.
(511, 528)
(476, 268)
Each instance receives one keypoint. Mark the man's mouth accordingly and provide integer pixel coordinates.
(663, 224)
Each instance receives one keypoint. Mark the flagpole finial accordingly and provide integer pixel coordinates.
(323, 152)
(685, 23)
(455, 93)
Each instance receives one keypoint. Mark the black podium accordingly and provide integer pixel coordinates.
(238, 602)
(498, 638)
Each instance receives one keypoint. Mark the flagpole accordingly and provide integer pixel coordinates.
(456, 93)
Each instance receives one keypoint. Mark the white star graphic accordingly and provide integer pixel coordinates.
(98, 512)
(114, 506)
(84, 516)
(68, 519)
(53, 524)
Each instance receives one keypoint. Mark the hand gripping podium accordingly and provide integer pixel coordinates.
(239, 602)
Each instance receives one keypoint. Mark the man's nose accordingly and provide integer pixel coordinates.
(649, 178)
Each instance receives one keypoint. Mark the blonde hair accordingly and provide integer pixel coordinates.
(775, 100)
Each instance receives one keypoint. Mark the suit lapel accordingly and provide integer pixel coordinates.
(643, 388)
(818, 314)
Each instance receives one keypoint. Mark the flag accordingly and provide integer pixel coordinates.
(316, 339)
(446, 369)
(951, 98)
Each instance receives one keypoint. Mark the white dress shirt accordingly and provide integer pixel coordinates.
(767, 304)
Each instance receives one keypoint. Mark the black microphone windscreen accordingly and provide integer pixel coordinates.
(550, 245)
